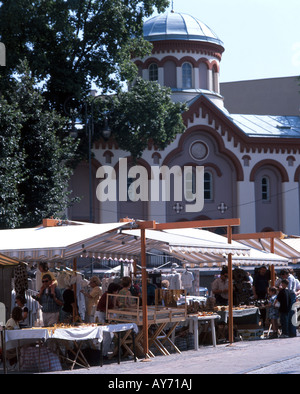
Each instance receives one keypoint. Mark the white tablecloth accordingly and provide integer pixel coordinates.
(14, 338)
(96, 332)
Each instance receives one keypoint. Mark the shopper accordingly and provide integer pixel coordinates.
(21, 301)
(124, 300)
(66, 315)
(51, 300)
(284, 298)
(273, 311)
(100, 315)
(92, 298)
(292, 287)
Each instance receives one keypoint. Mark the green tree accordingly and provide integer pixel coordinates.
(11, 164)
(71, 43)
(144, 113)
(45, 165)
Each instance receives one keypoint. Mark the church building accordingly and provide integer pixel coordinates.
(251, 162)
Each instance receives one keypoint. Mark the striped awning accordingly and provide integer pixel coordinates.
(6, 261)
(286, 247)
(215, 249)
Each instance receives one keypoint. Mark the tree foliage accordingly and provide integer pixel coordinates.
(144, 113)
(11, 164)
(70, 43)
(35, 159)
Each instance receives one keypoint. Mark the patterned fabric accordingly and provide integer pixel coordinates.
(21, 279)
(39, 359)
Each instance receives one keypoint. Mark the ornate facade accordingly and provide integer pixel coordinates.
(251, 162)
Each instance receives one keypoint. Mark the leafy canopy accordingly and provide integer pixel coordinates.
(71, 43)
(35, 159)
(144, 113)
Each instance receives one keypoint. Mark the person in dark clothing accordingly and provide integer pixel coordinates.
(261, 283)
(151, 293)
(284, 297)
(100, 315)
(261, 288)
(67, 309)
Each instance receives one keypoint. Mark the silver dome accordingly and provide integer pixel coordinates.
(178, 26)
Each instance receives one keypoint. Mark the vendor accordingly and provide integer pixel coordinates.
(50, 299)
(220, 288)
(261, 283)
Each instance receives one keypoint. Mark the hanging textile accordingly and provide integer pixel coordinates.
(21, 279)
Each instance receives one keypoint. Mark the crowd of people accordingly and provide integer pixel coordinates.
(277, 301)
(58, 307)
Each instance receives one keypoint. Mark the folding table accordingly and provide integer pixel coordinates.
(209, 318)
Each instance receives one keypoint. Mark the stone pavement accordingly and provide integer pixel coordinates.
(270, 356)
(266, 356)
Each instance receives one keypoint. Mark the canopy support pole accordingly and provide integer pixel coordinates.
(230, 289)
(144, 292)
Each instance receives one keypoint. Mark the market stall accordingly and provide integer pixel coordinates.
(62, 241)
(71, 337)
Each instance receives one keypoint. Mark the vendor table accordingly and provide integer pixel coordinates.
(16, 338)
(241, 316)
(198, 318)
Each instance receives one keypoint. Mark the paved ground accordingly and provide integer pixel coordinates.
(276, 356)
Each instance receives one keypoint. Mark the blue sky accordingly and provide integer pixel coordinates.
(261, 37)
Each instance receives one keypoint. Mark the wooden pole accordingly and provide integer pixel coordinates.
(75, 309)
(144, 292)
(230, 289)
(230, 300)
(198, 224)
(272, 250)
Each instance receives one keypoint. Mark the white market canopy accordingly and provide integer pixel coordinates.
(116, 241)
(240, 256)
(203, 248)
(53, 243)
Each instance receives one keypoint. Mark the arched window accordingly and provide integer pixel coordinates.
(153, 72)
(190, 186)
(265, 188)
(208, 186)
(170, 74)
(187, 77)
(215, 82)
(203, 76)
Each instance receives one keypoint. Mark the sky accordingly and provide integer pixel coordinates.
(261, 37)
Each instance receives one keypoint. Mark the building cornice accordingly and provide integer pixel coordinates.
(245, 144)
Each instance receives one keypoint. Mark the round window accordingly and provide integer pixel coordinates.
(198, 150)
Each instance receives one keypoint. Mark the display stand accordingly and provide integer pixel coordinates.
(158, 318)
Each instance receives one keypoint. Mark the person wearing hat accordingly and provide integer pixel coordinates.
(92, 298)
